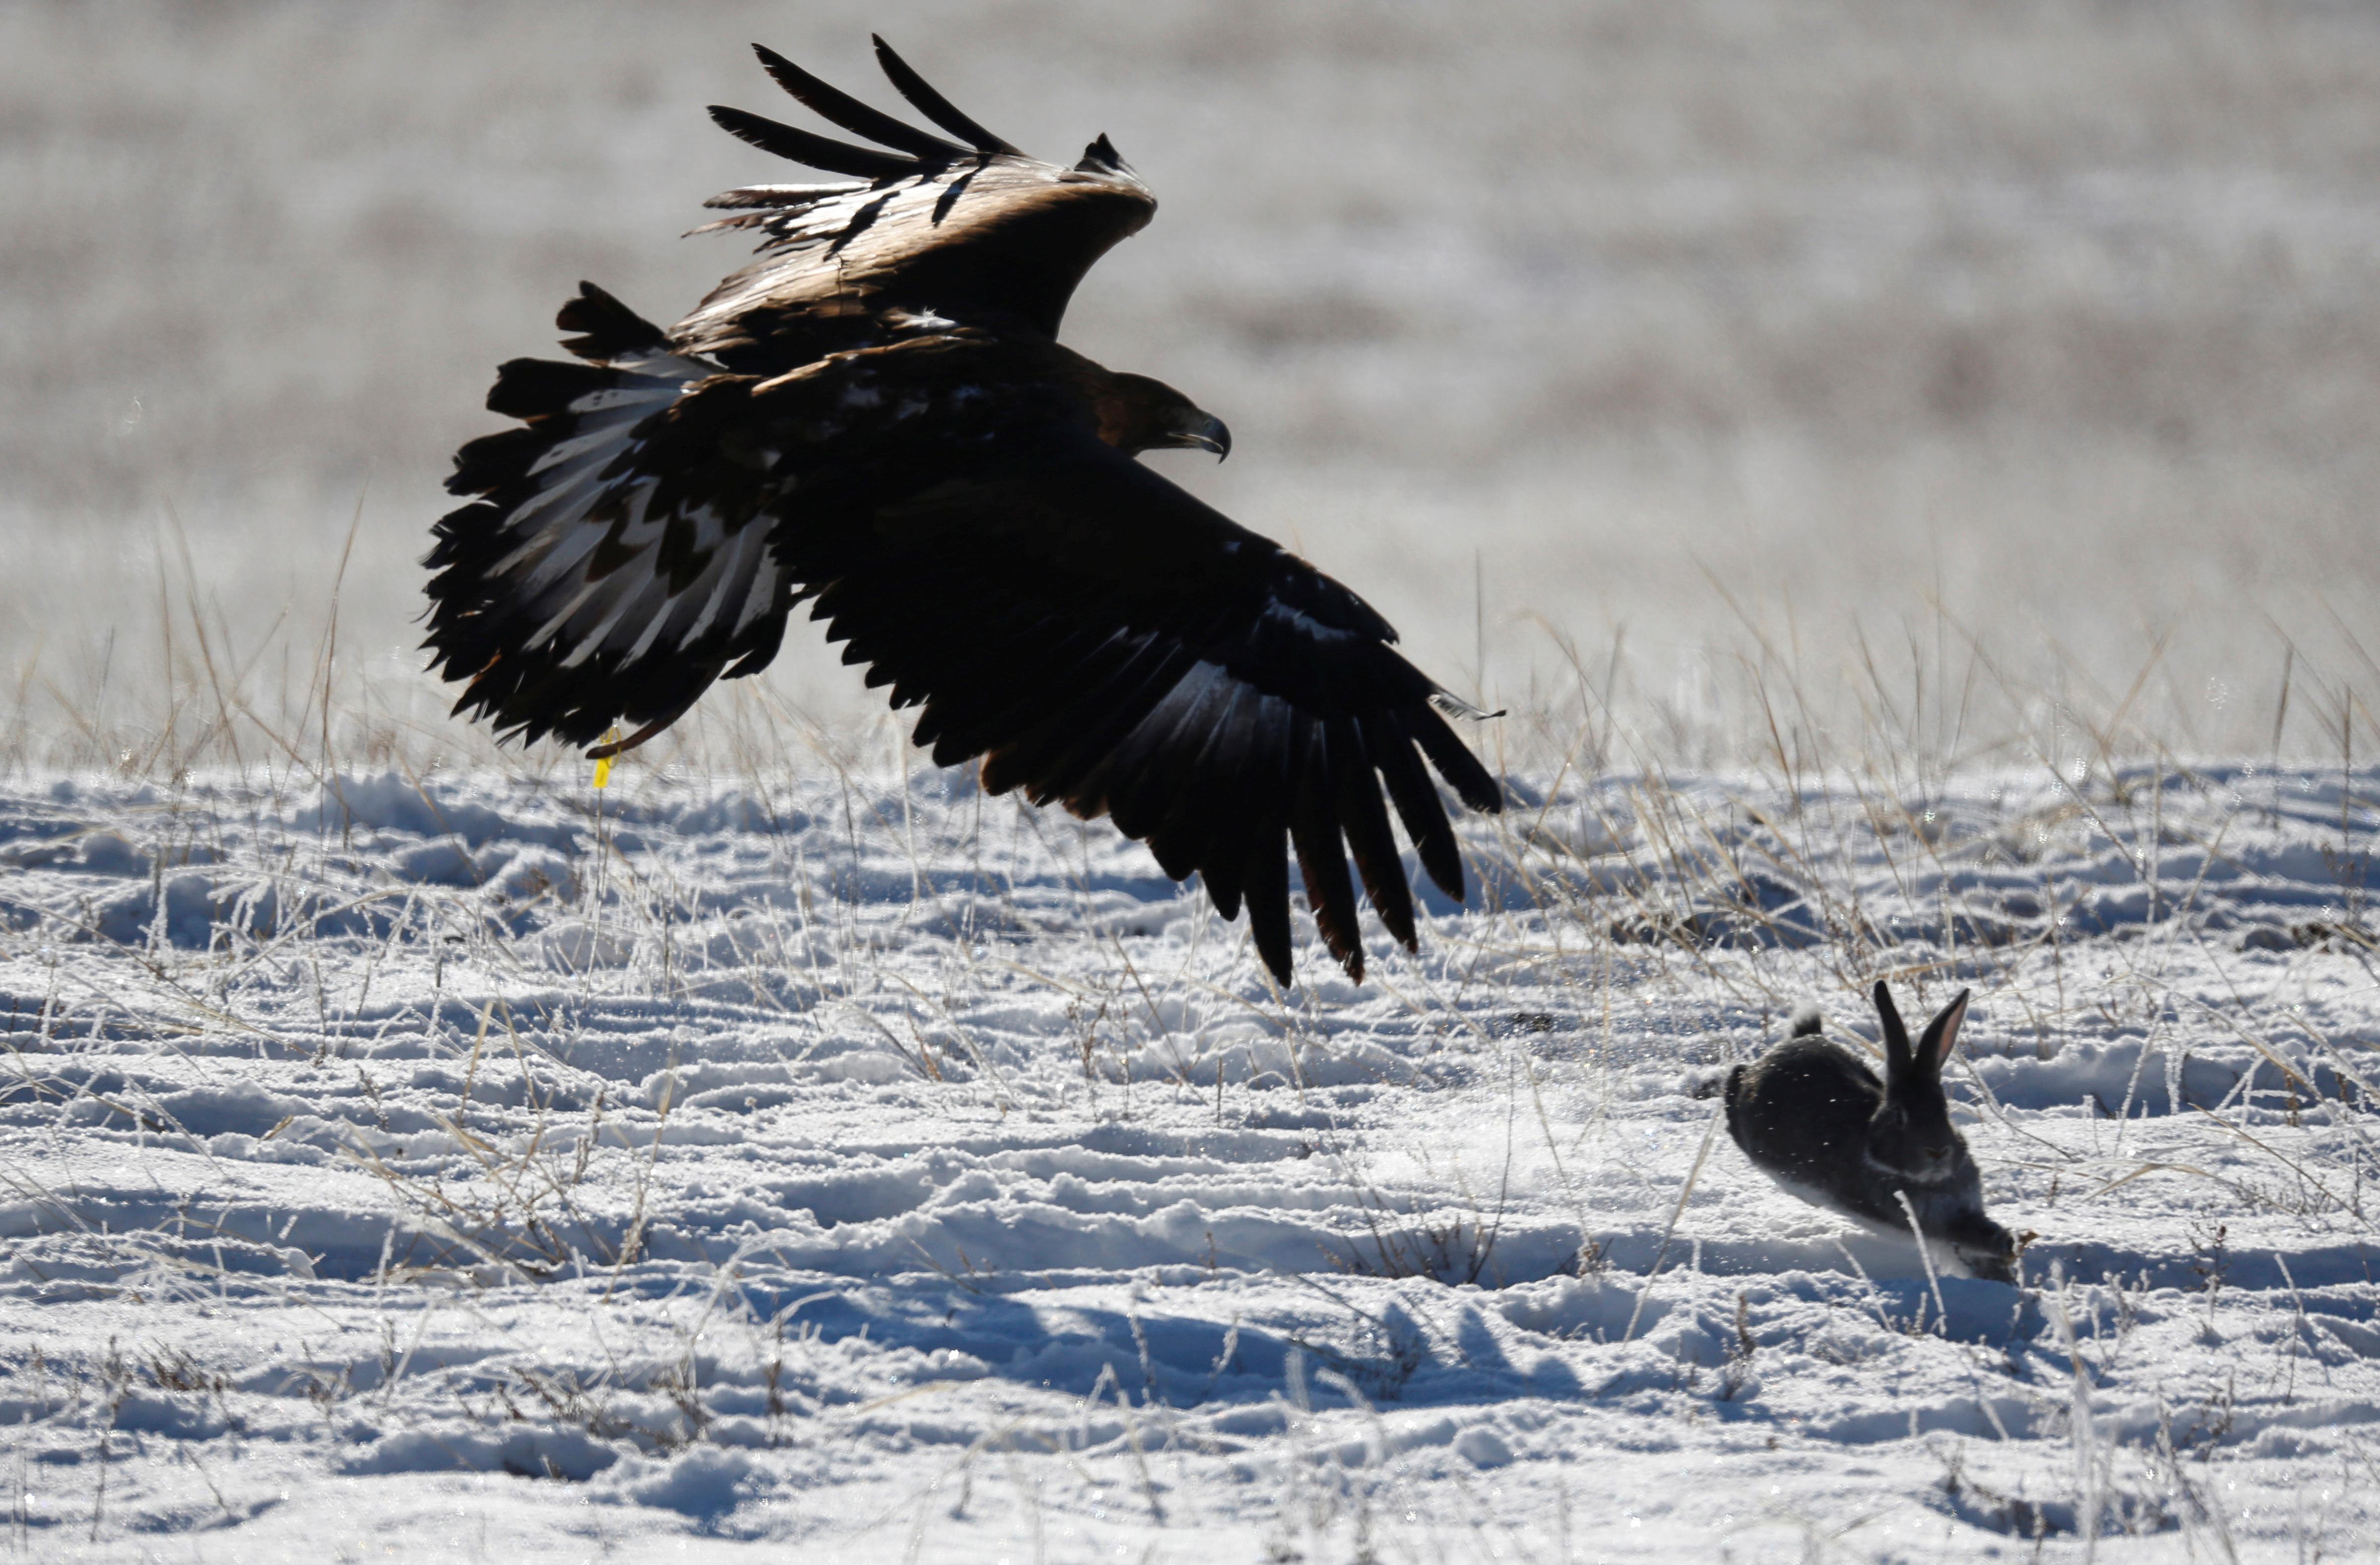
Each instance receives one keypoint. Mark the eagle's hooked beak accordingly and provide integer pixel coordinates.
(1209, 434)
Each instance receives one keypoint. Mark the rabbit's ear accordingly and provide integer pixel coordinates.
(1941, 1036)
(1896, 1037)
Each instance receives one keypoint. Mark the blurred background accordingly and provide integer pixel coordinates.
(1705, 380)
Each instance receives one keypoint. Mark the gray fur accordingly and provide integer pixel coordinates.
(1814, 1118)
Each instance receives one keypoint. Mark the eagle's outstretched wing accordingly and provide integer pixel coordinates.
(976, 232)
(1102, 638)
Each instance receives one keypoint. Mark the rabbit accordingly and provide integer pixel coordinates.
(1816, 1120)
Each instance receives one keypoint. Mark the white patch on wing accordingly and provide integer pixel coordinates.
(577, 511)
(554, 539)
(566, 549)
(545, 631)
(731, 566)
(594, 434)
(763, 592)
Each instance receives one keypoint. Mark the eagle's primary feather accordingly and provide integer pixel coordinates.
(876, 416)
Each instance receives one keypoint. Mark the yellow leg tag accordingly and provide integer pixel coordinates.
(603, 768)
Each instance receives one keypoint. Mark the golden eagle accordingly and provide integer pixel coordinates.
(876, 416)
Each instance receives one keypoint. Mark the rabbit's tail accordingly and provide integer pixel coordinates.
(1806, 1023)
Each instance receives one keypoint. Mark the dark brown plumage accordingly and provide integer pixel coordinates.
(876, 416)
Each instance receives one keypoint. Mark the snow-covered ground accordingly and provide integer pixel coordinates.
(456, 1170)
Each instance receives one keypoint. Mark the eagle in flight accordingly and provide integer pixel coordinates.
(876, 416)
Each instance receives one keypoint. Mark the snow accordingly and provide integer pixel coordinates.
(479, 1167)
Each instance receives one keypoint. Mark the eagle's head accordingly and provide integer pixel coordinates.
(1138, 414)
